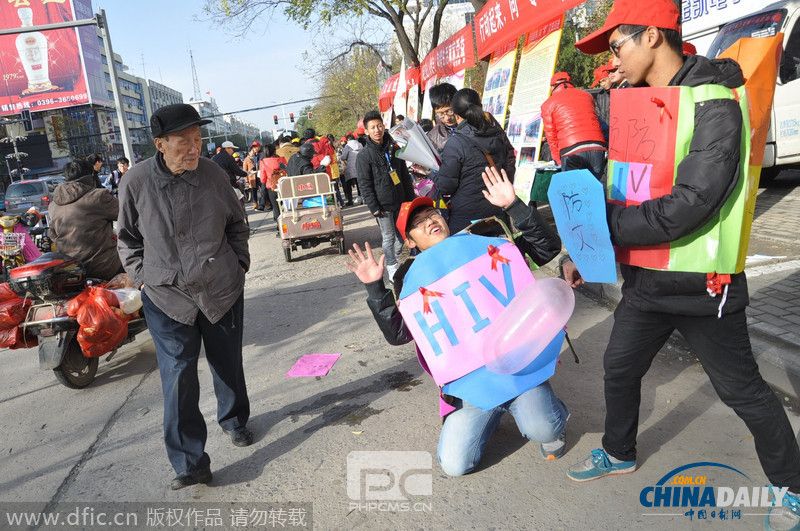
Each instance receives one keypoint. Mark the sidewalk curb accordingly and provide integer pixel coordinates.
(778, 358)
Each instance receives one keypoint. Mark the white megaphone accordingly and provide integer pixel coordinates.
(415, 146)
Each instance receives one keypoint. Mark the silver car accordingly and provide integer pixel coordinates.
(22, 195)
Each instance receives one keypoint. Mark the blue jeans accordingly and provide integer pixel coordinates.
(539, 414)
(177, 351)
(392, 241)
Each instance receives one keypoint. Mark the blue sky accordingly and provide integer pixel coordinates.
(240, 72)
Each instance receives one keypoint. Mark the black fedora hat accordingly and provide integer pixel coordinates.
(175, 117)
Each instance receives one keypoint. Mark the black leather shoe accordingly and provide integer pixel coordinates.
(241, 436)
(202, 475)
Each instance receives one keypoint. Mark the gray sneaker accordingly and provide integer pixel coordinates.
(553, 451)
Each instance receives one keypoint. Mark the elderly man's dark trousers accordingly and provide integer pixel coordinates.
(723, 348)
(177, 351)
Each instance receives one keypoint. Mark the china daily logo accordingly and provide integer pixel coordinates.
(690, 489)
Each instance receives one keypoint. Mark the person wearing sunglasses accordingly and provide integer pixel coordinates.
(708, 309)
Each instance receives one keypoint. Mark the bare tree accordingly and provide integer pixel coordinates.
(407, 17)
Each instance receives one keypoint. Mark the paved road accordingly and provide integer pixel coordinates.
(104, 443)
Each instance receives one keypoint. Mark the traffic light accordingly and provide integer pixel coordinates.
(275, 118)
(291, 117)
(25, 114)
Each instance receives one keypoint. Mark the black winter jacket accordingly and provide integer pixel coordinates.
(705, 179)
(299, 165)
(374, 182)
(460, 173)
(538, 240)
(227, 163)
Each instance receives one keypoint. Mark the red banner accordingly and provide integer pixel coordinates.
(388, 91)
(412, 77)
(41, 70)
(501, 21)
(453, 55)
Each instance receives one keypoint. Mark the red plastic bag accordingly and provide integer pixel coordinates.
(103, 326)
(6, 293)
(75, 304)
(14, 338)
(13, 312)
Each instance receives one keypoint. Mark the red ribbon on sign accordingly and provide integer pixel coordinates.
(494, 252)
(662, 108)
(426, 293)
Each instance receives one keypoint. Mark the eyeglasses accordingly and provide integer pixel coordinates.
(422, 221)
(445, 114)
(617, 44)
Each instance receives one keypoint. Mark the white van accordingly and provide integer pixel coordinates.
(783, 141)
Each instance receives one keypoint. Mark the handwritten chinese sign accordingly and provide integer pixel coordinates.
(578, 204)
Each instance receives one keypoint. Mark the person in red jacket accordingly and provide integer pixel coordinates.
(572, 129)
(270, 169)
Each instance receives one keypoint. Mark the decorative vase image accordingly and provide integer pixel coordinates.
(32, 49)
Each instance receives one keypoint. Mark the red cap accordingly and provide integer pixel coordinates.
(659, 13)
(689, 49)
(560, 77)
(407, 209)
(601, 73)
(360, 130)
(255, 143)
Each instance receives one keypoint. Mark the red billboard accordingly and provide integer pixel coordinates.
(41, 70)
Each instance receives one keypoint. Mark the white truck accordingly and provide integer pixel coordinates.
(713, 25)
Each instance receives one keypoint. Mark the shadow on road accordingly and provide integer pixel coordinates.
(335, 406)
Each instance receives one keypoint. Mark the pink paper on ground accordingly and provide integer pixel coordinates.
(313, 365)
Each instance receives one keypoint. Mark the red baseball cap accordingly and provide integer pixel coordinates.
(601, 73)
(689, 48)
(560, 77)
(407, 210)
(659, 13)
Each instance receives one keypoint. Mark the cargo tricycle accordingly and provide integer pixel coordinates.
(309, 214)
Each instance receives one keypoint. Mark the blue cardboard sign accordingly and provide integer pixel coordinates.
(578, 202)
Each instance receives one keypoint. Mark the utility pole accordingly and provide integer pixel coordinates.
(127, 146)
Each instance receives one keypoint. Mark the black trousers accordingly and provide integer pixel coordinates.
(348, 190)
(262, 194)
(594, 161)
(723, 348)
(272, 195)
(178, 351)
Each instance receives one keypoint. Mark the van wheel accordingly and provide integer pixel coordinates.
(342, 245)
(76, 370)
(287, 253)
(769, 174)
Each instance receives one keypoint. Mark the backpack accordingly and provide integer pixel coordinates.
(274, 177)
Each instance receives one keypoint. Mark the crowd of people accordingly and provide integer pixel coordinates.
(182, 238)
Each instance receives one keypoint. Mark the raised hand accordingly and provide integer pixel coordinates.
(499, 190)
(366, 268)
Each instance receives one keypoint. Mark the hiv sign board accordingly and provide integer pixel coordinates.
(451, 296)
(48, 70)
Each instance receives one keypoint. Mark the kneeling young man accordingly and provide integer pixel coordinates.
(539, 414)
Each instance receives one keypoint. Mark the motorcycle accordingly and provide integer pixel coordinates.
(51, 281)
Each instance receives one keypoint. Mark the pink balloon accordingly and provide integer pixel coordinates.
(527, 325)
